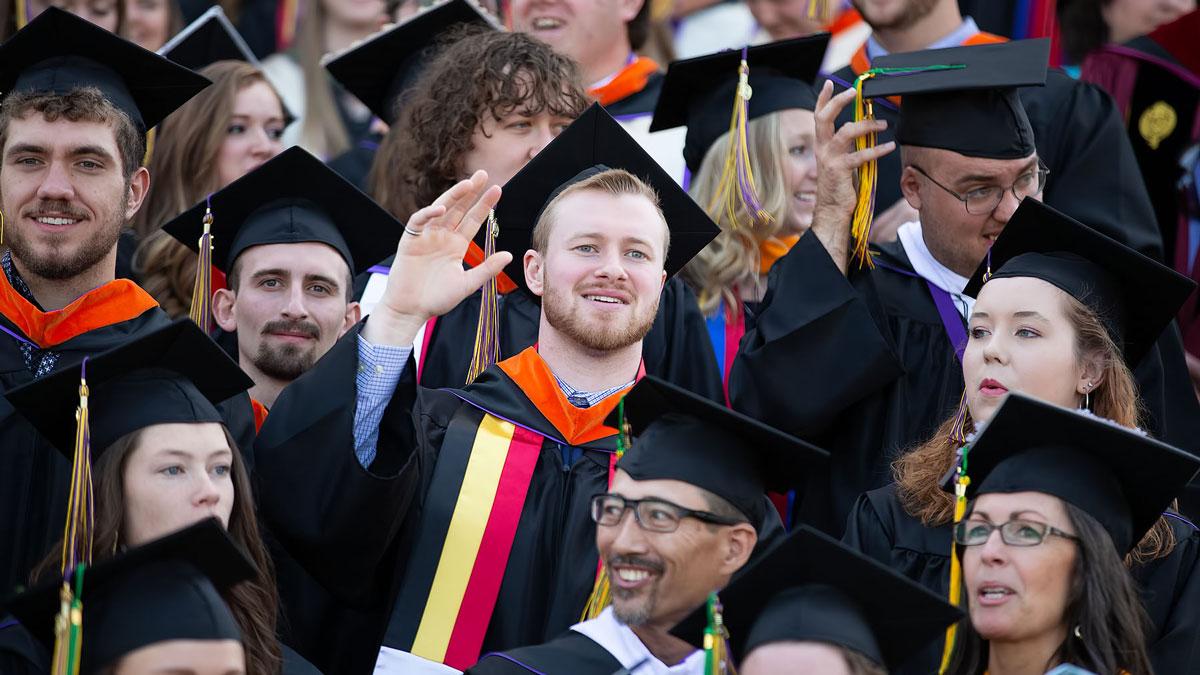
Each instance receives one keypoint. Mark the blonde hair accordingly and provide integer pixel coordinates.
(918, 473)
(733, 258)
(321, 128)
(616, 182)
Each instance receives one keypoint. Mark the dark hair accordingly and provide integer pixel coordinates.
(1103, 604)
(1082, 27)
(476, 72)
(85, 104)
(254, 603)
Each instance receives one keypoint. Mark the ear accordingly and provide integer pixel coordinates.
(910, 187)
(663, 284)
(222, 309)
(1091, 374)
(739, 544)
(353, 314)
(535, 269)
(628, 9)
(139, 187)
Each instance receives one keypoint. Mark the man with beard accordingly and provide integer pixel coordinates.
(289, 236)
(460, 527)
(77, 103)
(694, 479)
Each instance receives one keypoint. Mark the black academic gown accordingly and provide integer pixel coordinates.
(641, 102)
(879, 527)
(355, 164)
(677, 348)
(569, 654)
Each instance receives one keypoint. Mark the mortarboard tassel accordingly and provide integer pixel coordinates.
(961, 481)
(22, 12)
(68, 626)
(601, 595)
(201, 312)
(150, 136)
(736, 188)
(487, 331)
(716, 636)
(822, 10)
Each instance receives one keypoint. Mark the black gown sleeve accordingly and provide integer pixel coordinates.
(1171, 590)
(678, 348)
(814, 333)
(20, 652)
(867, 533)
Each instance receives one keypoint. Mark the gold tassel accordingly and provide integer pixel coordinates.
(201, 312)
(821, 10)
(77, 541)
(487, 331)
(22, 12)
(601, 595)
(960, 509)
(150, 136)
(68, 627)
(736, 189)
(864, 209)
(716, 641)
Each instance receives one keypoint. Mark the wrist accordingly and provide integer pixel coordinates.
(388, 327)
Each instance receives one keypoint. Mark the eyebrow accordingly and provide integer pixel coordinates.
(1023, 314)
(1012, 516)
(991, 178)
(273, 272)
(188, 454)
(323, 279)
(79, 151)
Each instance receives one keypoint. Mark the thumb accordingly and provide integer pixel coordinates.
(477, 276)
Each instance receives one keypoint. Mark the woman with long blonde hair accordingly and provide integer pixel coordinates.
(1060, 314)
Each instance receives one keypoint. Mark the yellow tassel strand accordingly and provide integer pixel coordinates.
(736, 191)
(68, 627)
(716, 641)
(487, 331)
(960, 509)
(822, 10)
(864, 209)
(601, 596)
(201, 312)
(78, 536)
(22, 11)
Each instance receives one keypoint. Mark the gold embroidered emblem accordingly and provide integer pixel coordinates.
(1156, 123)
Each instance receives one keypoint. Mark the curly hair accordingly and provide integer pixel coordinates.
(475, 72)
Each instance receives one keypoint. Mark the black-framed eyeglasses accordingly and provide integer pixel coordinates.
(984, 200)
(655, 515)
(1013, 533)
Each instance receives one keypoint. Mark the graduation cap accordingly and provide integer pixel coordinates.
(381, 67)
(208, 39)
(173, 374)
(59, 52)
(1134, 296)
(290, 199)
(167, 589)
(685, 437)
(813, 588)
(1121, 477)
(595, 142)
(700, 92)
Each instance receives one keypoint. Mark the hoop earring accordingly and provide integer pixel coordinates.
(1, 227)
(1079, 632)
(1087, 397)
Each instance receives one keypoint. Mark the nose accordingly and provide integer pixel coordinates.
(993, 551)
(994, 350)
(628, 538)
(207, 494)
(56, 183)
(612, 266)
(264, 146)
(1006, 208)
(295, 309)
(541, 138)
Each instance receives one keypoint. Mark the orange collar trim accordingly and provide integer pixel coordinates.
(860, 63)
(116, 301)
(628, 82)
(771, 250)
(577, 425)
(260, 414)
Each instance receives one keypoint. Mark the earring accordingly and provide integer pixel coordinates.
(1087, 398)
(1079, 632)
(1, 227)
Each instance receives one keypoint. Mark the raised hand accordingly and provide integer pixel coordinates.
(427, 278)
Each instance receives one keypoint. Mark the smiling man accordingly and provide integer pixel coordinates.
(77, 103)
(460, 525)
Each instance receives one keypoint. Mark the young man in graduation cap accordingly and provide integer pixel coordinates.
(893, 375)
(815, 605)
(461, 526)
(695, 479)
(290, 237)
(1079, 133)
(77, 104)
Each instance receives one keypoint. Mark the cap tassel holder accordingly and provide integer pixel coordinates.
(201, 312)
(736, 190)
(487, 332)
(77, 541)
(716, 637)
(601, 595)
(961, 481)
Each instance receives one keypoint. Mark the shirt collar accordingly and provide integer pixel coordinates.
(624, 646)
(924, 264)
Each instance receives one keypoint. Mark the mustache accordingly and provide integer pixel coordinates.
(634, 561)
(55, 207)
(306, 328)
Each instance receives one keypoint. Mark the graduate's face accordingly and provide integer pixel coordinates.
(1020, 339)
(289, 308)
(584, 30)
(103, 13)
(657, 578)
(601, 276)
(64, 195)
(798, 129)
(958, 239)
(253, 135)
(783, 19)
(185, 657)
(175, 476)
(795, 657)
(502, 147)
(1018, 593)
(148, 22)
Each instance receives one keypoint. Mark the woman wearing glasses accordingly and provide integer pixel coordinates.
(1058, 496)
(1064, 314)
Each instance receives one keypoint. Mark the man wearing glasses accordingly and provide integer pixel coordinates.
(686, 509)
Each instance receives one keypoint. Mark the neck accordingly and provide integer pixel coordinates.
(1033, 656)
(608, 63)
(664, 646)
(339, 36)
(54, 294)
(941, 21)
(266, 389)
(587, 369)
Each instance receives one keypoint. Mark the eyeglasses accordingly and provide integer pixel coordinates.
(1013, 533)
(982, 201)
(655, 515)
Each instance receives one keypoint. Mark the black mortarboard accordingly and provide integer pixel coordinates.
(813, 588)
(290, 199)
(1134, 296)
(682, 436)
(381, 67)
(167, 589)
(1121, 477)
(59, 52)
(173, 374)
(964, 99)
(699, 92)
(593, 143)
(206, 40)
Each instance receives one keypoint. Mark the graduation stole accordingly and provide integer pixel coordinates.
(114, 302)
(629, 81)
(471, 514)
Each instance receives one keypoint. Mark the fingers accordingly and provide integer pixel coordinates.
(477, 276)
(857, 159)
(461, 200)
(833, 106)
(478, 212)
(851, 131)
(419, 220)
